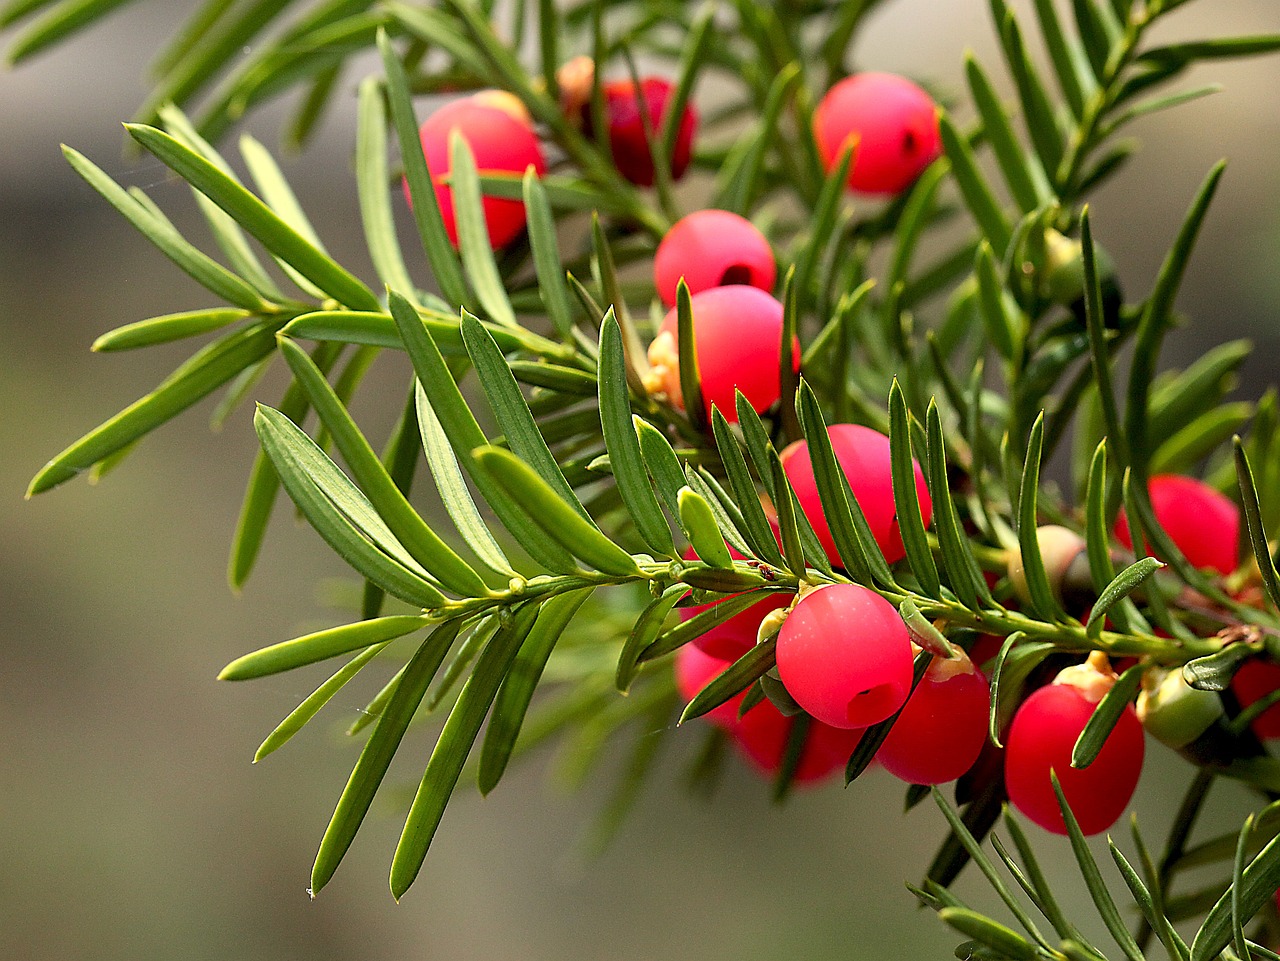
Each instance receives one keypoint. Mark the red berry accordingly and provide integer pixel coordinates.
(1042, 736)
(864, 455)
(1202, 522)
(627, 139)
(712, 248)
(737, 635)
(500, 142)
(942, 728)
(894, 124)
(1254, 680)
(762, 735)
(737, 336)
(696, 669)
(845, 656)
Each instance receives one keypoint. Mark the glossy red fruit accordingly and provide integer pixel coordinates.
(1042, 736)
(631, 154)
(894, 124)
(501, 143)
(1202, 522)
(1254, 680)
(864, 455)
(738, 634)
(696, 669)
(737, 336)
(712, 248)
(845, 656)
(761, 734)
(942, 728)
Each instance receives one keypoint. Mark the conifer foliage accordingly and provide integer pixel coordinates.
(792, 508)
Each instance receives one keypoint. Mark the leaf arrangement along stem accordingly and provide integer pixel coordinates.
(550, 578)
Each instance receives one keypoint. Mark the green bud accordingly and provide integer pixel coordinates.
(1174, 712)
(1060, 549)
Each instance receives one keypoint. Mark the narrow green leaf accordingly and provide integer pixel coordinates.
(1105, 716)
(168, 328)
(1156, 320)
(553, 514)
(734, 679)
(512, 702)
(905, 497)
(849, 529)
(1037, 109)
(512, 412)
(1004, 941)
(1120, 587)
(464, 654)
(465, 435)
(1256, 886)
(1072, 67)
(1026, 179)
(473, 235)
(1012, 667)
(1151, 911)
(977, 193)
(320, 646)
(295, 458)
(756, 528)
(964, 574)
(988, 869)
(625, 457)
(662, 462)
(311, 705)
(451, 750)
(692, 60)
(392, 506)
(1253, 523)
(684, 632)
(375, 197)
(205, 371)
(643, 633)
(378, 751)
(737, 182)
(1001, 328)
(256, 217)
(546, 251)
(1045, 899)
(68, 17)
(443, 259)
(1102, 898)
(1042, 598)
(823, 220)
(699, 524)
(197, 265)
(690, 374)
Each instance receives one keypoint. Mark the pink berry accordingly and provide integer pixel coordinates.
(1254, 680)
(737, 336)
(696, 669)
(845, 656)
(893, 122)
(631, 154)
(941, 730)
(1042, 737)
(712, 248)
(762, 734)
(864, 455)
(1202, 522)
(501, 143)
(737, 635)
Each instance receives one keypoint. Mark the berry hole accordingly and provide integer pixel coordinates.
(875, 703)
(909, 142)
(735, 274)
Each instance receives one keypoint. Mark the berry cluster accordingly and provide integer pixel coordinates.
(844, 655)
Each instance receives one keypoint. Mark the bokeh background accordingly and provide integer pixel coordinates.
(132, 825)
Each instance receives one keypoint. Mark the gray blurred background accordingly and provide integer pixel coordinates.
(134, 825)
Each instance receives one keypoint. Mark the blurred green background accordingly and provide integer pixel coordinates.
(133, 823)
